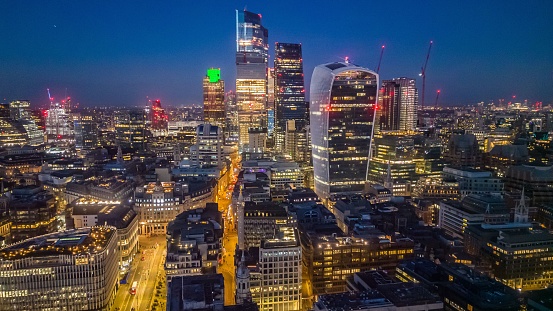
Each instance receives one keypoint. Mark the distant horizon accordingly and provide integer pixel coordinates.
(482, 52)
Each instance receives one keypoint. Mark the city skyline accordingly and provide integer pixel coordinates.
(481, 51)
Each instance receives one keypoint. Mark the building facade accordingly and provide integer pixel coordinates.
(342, 113)
(214, 97)
(289, 90)
(398, 103)
(251, 72)
(157, 204)
(208, 149)
(70, 270)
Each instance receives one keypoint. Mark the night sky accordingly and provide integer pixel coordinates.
(119, 52)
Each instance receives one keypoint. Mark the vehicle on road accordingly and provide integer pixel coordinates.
(133, 287)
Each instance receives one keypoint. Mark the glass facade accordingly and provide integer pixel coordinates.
(214, 98)
(289, 89)
(398, 101)
(251, 72)
(343, 103)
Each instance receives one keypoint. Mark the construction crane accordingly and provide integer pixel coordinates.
(423, 74)
(380, 60)
(436, 107)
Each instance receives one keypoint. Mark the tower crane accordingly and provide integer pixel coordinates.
(437, 96)
(380, 60)
(423, 74)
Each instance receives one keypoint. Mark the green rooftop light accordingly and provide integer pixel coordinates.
(214, 75)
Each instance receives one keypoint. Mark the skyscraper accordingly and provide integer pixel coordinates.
(130, 128)
(214, 97)
(398, 102)
(251, 72)
(159, 117)
(342, 109)
(289, 90)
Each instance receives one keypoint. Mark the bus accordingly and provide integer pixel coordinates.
(133, 287)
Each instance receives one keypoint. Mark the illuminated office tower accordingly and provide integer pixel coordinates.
(289, 90)
(159, 118)
(398, 103)
(58, 123)
(251, 73)
(214, 97)
(342, 109)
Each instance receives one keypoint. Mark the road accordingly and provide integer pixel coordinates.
(148, 273)
(227, 266)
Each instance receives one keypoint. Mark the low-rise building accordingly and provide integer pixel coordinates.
(69, 270)
(194, 243)
(87, 213)
(455, 216)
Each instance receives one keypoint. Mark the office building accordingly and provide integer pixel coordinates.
(473, 181)
(342, 113)
(193, 243)
(398, 105)
(289, 90)
(281, 275)
(208, 149)
(159, 118)
(392, 163)
(214, 97)
(455, 216)
(330, 259)
(202, 292)
(86, 132)
(89, 213)
(158, 203)
(535, 179)
(130, 129)
(261, 221)
(32, 212)
(58, 124)
(69, 270)
(251, 73)
(463, 150)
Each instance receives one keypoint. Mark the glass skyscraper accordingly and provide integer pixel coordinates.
(342, 110)
(398, 105)
(251, 72)
(289, 89)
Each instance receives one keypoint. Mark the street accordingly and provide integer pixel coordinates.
(148, 273)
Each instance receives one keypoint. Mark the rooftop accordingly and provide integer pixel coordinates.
(71, 242)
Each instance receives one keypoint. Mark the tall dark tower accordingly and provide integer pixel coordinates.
(289, 90)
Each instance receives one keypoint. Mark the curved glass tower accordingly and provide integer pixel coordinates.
(343, 101)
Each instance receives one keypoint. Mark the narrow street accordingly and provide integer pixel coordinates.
(147, 273)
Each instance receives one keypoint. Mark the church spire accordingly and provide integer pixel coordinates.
(521, 210)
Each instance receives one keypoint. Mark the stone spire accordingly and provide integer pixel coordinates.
(521, 210)
(243, 292)
(240, 220)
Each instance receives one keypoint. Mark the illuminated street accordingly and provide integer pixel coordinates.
(147, 273)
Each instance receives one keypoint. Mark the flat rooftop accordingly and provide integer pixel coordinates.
(70, 242)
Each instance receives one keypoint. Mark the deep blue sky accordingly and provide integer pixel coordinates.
(119, 52)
